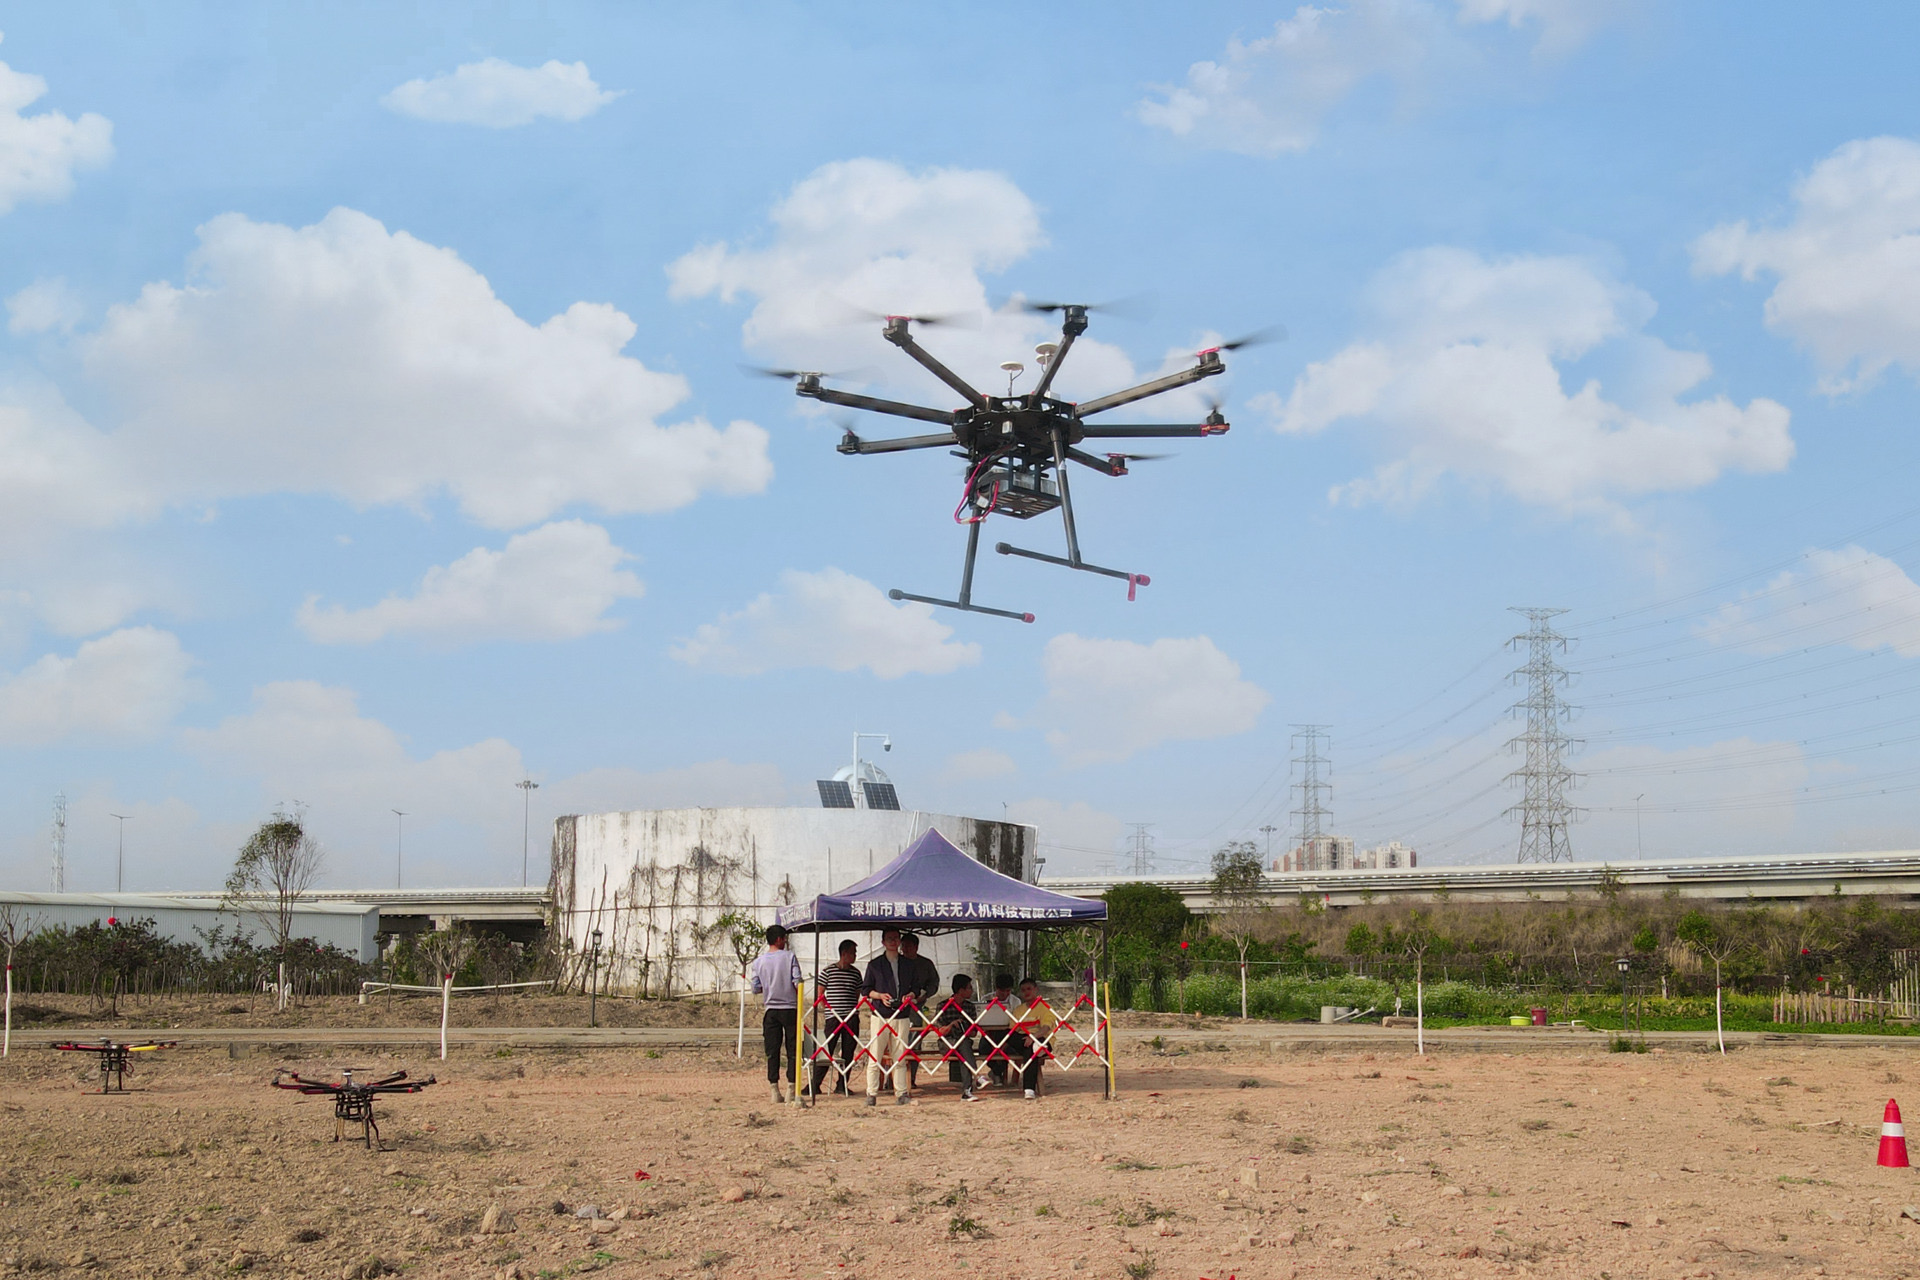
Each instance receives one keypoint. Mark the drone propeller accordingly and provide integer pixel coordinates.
(950, 319)
(1138, 457)
(794, 375)
(1258, 338)
(1130, 307)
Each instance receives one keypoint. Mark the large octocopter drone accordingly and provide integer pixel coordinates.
(1017, 447)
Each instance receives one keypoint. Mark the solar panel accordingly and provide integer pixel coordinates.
(880, 795)
(835, 794)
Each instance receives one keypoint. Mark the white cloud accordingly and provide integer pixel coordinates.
(1270, 95)
(309, 744)
(709, 784)
(827, 619)
(1109, 699)
(58, 474)
(1461, 372)
(1564, 25)
(43, 306)
(1075, 837)
(867, 235)
(500, 95)
(978, 765)
(344, 359)
(1850, 597)
(554, 583)
(1847, 263)
(39, 153)
(127, 684)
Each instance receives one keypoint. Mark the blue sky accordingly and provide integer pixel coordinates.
(376, 436)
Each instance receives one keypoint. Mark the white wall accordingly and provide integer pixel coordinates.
(653, 881)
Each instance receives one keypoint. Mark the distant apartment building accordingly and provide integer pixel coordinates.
(1336, 853)
(1322, 853)
(1391, 856)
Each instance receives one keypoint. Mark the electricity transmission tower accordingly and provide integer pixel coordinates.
(1140, 849)
(60, 842)
(1316, 777)
(1544, 776)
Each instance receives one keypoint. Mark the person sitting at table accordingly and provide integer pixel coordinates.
(996, 1028)
(1033, 1026)
(953, 1020)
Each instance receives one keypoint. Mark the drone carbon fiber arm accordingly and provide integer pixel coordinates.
(1153, 430)
(1210, 364)
(1104, 466)
(1072, 327)
(848, 400)
(851, 443)
(900, 336)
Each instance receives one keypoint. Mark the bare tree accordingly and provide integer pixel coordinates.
(276, 868)
(1237, 879)
(1719, 945)
(15, 928)
(1417, 937)
(745, 935)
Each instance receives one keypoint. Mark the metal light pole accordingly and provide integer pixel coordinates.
(527, 787)
(399, 842)
(593, 978)
(120, 857)
(1639, 848)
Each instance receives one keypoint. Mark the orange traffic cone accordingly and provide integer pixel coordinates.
(1893, 1138)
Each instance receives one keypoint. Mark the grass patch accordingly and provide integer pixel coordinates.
(1142, 1269)
(1535, 1126)
(1299, 1144)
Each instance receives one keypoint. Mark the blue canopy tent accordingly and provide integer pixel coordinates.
(933, 887)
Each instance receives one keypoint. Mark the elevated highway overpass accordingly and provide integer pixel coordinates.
(1783, 878)
(520, 913)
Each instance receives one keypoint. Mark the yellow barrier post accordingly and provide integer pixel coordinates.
(1106, 1034)
(799, 1035)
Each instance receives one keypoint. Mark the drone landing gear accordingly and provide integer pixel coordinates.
(965, 602)
(1133, 580)
(1072, 559)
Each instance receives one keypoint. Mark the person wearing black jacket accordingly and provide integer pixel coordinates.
(888, 988)
(925, 990)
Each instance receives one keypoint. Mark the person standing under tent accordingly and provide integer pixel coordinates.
(1034, 1021)
(925, 996)
(776, 980)
(839, 984)
(996, 1028)
(888, 981)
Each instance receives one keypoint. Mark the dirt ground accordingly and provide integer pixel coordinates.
(1214, 1165)
(159, 1013)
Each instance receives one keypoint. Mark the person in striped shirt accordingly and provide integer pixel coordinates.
(839, 984)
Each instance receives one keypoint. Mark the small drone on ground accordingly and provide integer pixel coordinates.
(115, 1058)
(1017, 447)
(352, 1101)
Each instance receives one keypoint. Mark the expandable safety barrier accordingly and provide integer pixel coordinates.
(839, 1048)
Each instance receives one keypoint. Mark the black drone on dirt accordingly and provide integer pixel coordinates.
(352, 1100)
(116, 1058)
(1017, 447)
